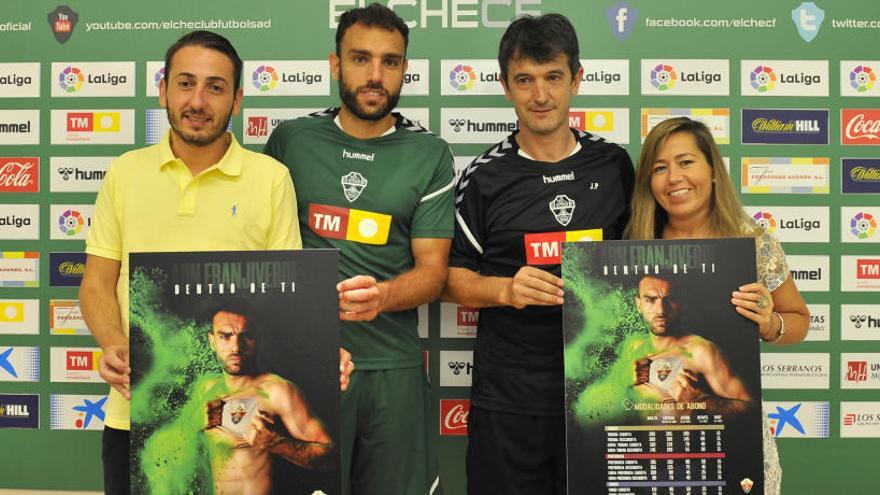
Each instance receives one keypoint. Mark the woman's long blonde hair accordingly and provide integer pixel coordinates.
(726, 215)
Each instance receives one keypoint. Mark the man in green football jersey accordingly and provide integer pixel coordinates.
(378, 187)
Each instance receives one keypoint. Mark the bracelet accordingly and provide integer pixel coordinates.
(781, 330)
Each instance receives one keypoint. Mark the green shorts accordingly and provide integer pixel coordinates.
(387, 445)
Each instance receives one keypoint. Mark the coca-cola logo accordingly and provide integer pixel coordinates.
(862, 126)
(19, 174)
(454, 416)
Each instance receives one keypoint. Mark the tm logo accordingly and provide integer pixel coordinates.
(265, 78)
(462, 77)
(621, 17)
(763, 78)
(808, 19)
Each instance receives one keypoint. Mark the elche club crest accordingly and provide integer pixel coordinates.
(563, 209)
(664, 369)
(353, 183)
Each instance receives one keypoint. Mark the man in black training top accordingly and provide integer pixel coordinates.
(545, 184)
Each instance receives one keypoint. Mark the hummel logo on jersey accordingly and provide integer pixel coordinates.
(563, 209)
(550, 179)
(358, 156)
(353, 184)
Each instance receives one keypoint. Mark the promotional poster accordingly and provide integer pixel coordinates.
(235, 372)
(663, 391)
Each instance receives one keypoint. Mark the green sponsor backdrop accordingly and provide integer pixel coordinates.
(467, 29)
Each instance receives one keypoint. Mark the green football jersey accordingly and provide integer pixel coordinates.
(368, 199)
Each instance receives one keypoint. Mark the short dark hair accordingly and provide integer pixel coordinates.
(540, 39)
(237, 306)
(209, 40)
(373, 15)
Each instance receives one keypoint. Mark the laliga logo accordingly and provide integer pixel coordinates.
(70, 222)
(863, 225)
(766, 221)
(763, 78)
(70, 79)
(462, 78)
(158, 76)
(862, 78)
(563, 209)
(265, 78)
(663, 77)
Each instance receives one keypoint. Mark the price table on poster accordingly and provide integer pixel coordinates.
(665, 459)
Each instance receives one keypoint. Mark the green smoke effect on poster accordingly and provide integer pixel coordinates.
(173, 458)
(599, 359)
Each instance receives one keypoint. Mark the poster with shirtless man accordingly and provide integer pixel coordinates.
(663, 391)
(235, 373)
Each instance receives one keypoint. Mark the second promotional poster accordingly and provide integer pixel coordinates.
(235, 372)
(663, 391)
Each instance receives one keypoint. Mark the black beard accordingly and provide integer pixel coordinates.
(193, 140)
(349, 99)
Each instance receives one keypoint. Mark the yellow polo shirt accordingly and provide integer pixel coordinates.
(149, 201)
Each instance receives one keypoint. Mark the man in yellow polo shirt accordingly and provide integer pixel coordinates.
(196, 190)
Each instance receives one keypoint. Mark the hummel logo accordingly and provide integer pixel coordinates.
(550, 179)
(358, 156)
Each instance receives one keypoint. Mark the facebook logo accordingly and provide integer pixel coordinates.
(808, 19)
(621, 17)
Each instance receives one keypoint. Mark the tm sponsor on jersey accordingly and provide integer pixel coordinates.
(545, 248)
(334, 222)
